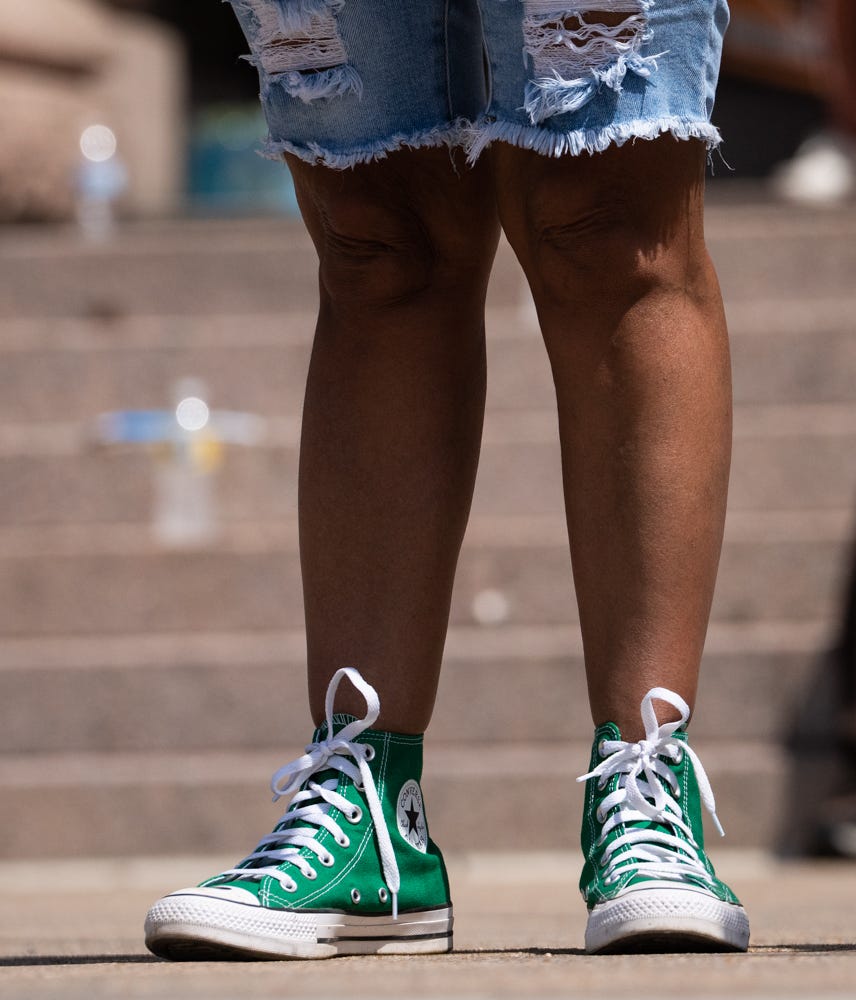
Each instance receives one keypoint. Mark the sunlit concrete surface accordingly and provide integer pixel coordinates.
(74, 929)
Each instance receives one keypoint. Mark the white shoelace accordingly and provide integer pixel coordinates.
(311, 806)
(648, 792)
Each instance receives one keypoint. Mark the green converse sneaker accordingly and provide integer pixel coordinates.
(348, 870)
(646, 880)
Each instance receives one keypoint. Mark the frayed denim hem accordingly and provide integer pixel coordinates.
(474, 138)
(451, 135)
(479, 135)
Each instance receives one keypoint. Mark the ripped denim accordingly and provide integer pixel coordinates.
(349, 81)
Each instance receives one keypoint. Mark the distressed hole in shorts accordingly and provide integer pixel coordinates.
(316, 47)
(297, 45)
(578, 48)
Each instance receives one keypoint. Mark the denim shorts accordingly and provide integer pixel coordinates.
(349, 81)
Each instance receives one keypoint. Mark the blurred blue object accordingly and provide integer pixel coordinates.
(136, 426)
(227, 174)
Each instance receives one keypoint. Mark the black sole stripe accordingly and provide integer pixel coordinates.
(389, 940)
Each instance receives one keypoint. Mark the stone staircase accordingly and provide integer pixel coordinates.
(148, 694)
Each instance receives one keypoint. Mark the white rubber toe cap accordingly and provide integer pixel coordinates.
(229, 893)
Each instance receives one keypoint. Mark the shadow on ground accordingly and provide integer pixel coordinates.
(511, 953)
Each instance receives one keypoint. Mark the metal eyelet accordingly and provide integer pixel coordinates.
(601, 749)
(355, 816)
(370, 752)
(355, 895)
(679, 756)
(290, 888)
(600, 814)
(360, 787)
(327, 860)
(311, 874)
(344, 841)
(678, 792)
(382, 895)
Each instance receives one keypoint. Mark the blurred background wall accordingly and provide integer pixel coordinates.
(151, 644)
(165, 76)
(66, 64)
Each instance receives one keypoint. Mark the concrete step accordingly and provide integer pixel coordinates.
(783, 351)
(61, 370)
(792, 350)
(769, 250)
(219, 267)
(793, 457)
(152, 269)
(83, 369)
(48, 479)
(115, 583)
(247, 691)
(498, 795)
(269, 266)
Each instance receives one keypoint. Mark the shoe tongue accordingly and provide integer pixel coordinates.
(340, 720)
(662, 827)
(610, 731)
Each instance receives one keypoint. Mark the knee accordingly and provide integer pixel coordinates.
(582, 241)
(374, 255)
(390, 232)
(622, 223)
(378, 249)
(588, 249)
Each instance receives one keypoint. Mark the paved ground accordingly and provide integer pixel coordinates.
(72, 930)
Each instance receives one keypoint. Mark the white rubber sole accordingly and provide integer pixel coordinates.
(664, 917)
(190, 927)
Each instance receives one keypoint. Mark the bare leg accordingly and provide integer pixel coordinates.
(629, 306)
(392, 420)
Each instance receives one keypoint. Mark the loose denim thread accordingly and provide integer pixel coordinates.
(279, 16)
(573, 57)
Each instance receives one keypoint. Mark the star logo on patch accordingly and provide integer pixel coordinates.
(410, 814)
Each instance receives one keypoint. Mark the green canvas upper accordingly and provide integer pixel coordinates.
(355, 880)
(607, 874)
